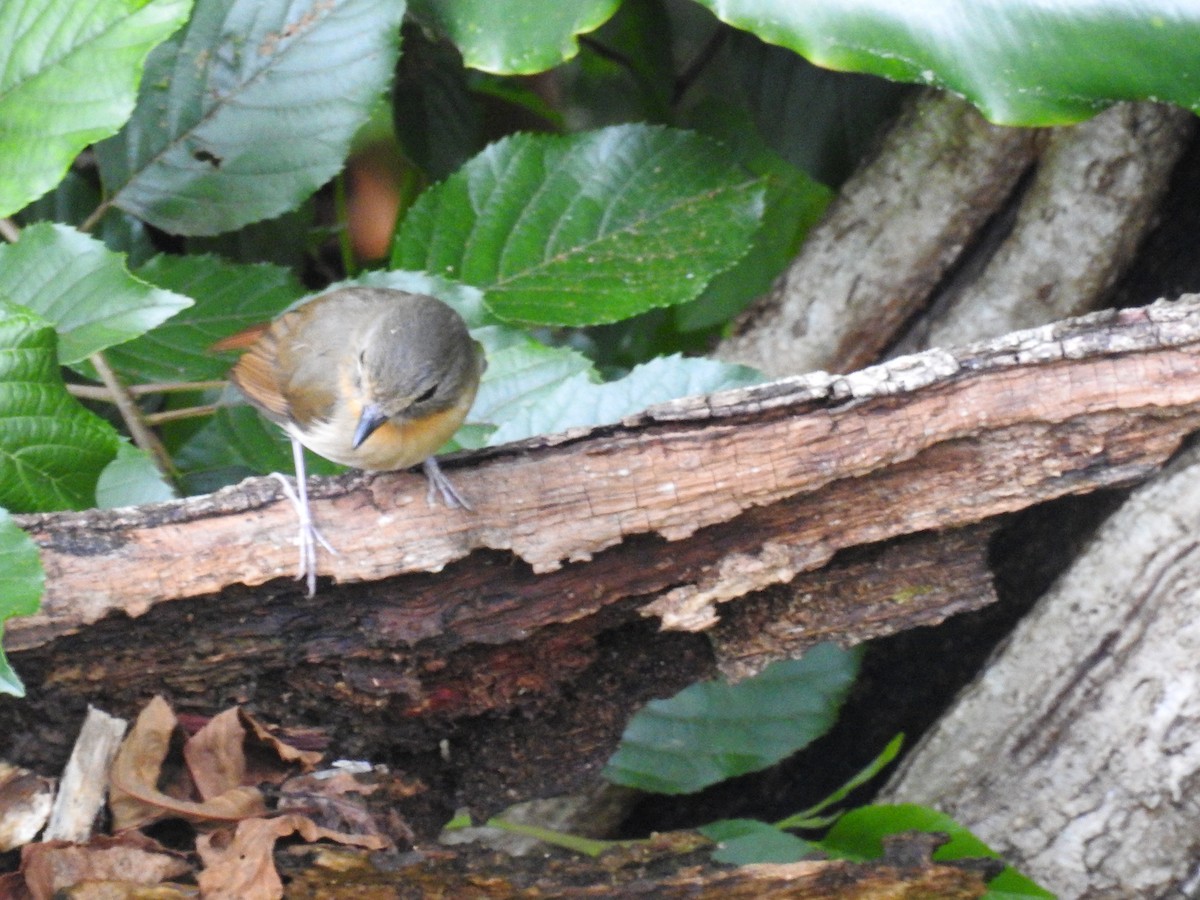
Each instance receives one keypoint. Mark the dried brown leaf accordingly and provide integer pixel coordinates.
(215, 755)
(265, 752)
(331, 800)
(240, 865)
(134, 796)
(132, 860)
(25, 802)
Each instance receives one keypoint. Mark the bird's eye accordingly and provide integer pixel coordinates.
(427, 395)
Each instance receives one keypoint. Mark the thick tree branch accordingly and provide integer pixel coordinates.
(794, 470)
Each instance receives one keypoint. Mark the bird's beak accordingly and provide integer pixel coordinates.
(372, 417)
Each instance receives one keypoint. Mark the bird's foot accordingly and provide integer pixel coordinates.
(440, 484)
(309, 536)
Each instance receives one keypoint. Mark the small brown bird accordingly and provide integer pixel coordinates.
(373, 378)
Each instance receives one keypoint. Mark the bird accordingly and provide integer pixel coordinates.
(373, 378)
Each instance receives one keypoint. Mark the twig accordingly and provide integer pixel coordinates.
(146, 439)
(94, 219)
(689, 75)
(175, 415)
(95, 392)
(9, 230)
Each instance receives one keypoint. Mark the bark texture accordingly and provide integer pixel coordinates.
(548, 599)
(1095, 702)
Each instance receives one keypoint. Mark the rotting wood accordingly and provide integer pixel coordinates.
(528, 667)
(793, 471)
(665, 869)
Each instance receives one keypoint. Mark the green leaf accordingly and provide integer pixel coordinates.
(249, 110)
(438, 121)
(229, 297)
(859, 834)
(588, 228)
(68, 75)
(1022, 62)
(793, 204)
(22, 581)
(131, 480)
(73, 201)
(818, 120)
(518, 37)
(579, 401)
(52, 450)
(521, 373)
(714, 730)
(742, 842)
(82, 287)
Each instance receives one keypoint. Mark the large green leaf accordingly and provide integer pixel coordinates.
(249, 110)
(229, 297)
(579, 401)
(588, 228)
(1022, 62)
(859, 835)
(817, 119)
(52, 450)
(131, 480)
(715, 730)
(21, 583)
(68, 76)
(743, 842)
(83, 288)
(517, 36)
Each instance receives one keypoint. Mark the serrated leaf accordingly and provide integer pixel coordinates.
(793, 203)
(22, 581)
(521, 372)
(69, 73)
(859, 834)
(714, 730)
(249, 110)
(52, 450)
(743, 842)
(131, 480)
(580, 402)
(516, 37)
(1022, 62)
(83, 288)
(229, 297)
(588, 228)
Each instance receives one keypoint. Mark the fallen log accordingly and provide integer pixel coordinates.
(582, 543)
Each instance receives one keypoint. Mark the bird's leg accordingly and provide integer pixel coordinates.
(309, 536)
(440, 484)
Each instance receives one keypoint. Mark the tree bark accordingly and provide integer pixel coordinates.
(1094, 703)
(548, 595)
